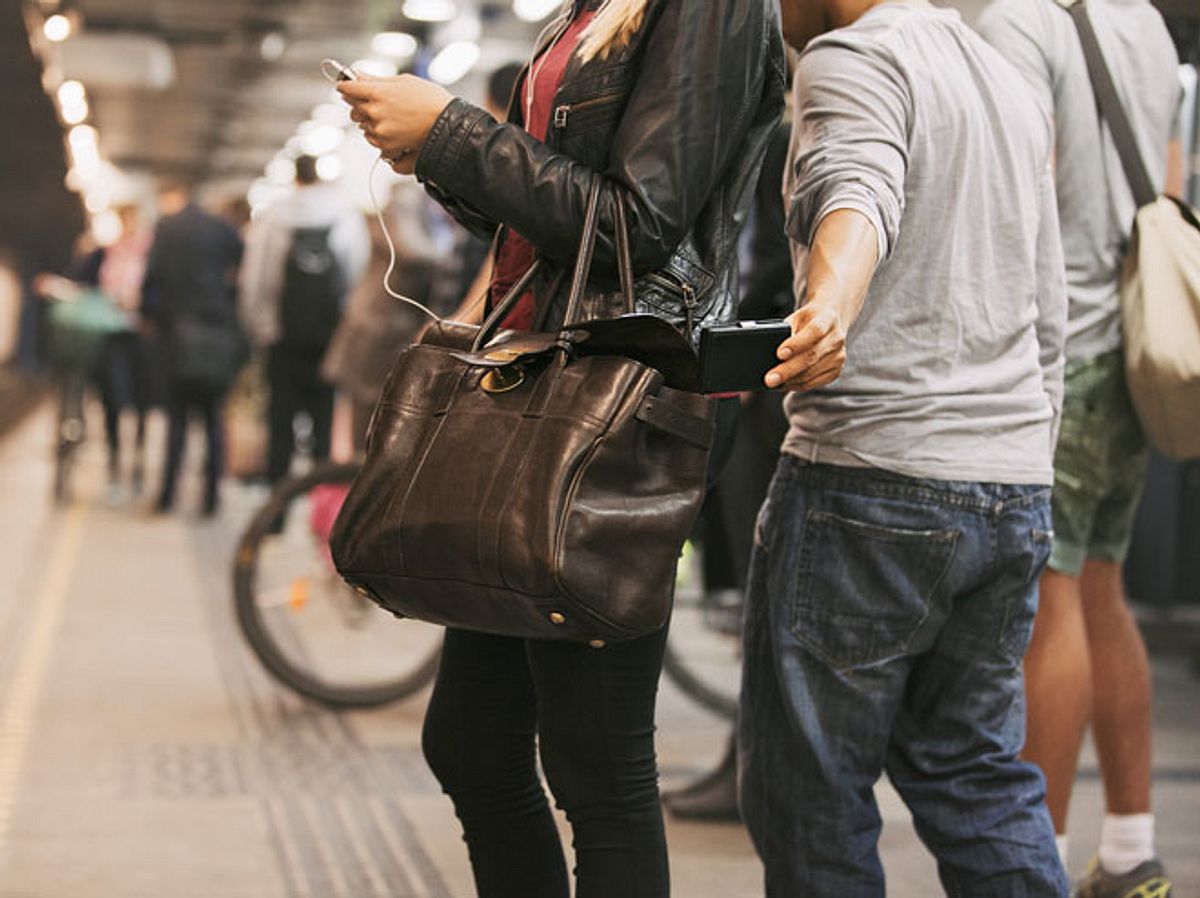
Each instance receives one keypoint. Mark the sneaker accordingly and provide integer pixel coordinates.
(1147, 880)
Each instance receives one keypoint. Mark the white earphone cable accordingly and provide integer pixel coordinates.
(534, 70)
(387, 237)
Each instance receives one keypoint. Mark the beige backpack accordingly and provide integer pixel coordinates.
(1160, 290)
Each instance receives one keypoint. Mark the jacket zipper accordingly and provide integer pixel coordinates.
(687, 291)
(563, 111)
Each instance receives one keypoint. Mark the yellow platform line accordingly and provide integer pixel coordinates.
(18, 705)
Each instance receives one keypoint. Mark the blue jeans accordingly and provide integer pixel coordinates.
(886, 623)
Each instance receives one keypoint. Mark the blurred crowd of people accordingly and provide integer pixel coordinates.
(282, 311)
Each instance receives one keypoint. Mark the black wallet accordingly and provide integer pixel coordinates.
(734, 358)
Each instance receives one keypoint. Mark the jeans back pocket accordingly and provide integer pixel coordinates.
(864, 589)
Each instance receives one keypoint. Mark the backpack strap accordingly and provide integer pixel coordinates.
(1111, 110)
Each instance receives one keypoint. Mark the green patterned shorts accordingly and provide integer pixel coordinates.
(1099, 466)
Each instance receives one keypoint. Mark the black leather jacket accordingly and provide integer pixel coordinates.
(678, 122)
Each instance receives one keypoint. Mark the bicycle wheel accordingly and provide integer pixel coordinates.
(72, 385)
(703, 654)
(310, 630)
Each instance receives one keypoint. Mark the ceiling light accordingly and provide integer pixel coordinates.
(534, 10)
(430, 10)
(452, 63)
(83, 136)
(395, 44)
(57, 28)
(71, 91)
(273, 46)
(337, 114)
(96, 201)
(75, 113)
(106, 227)
(72, 102)
(321, 139)
(329, 168)
(281, 171)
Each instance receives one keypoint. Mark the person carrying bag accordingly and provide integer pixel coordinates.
(574, 529)
(1160, 285)
(528, 481)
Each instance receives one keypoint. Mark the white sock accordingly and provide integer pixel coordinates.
(1126, 840)
(1061, 843)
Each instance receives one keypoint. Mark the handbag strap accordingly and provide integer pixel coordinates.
(583, 267)
(1112, 111)
(587, 250)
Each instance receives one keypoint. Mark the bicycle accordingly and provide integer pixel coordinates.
(703, 655)
(80, 319)
(72, 387)
(320, 638)
(311, 631)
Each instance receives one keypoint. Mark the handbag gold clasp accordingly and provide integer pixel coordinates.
(502, 380)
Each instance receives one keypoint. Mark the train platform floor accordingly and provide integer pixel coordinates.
(143, 752)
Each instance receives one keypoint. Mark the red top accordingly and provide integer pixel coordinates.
(517, 253)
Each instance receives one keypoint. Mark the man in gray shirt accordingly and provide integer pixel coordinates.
(893, 587)
(1085, 641)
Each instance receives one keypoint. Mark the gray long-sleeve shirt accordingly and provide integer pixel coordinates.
(955, 364)
(1095, 203)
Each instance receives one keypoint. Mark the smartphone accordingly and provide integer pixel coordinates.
(335, 71)
(734, 358)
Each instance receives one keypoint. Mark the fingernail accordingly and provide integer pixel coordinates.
(784, 353)
(773, 380)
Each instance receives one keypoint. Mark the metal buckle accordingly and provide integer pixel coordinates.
(502, 380)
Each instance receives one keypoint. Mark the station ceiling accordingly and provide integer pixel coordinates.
(184, 87)
(205, 90)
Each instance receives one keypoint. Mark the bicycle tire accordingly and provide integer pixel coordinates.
(694, 688)
(64, 461)
(259, 637)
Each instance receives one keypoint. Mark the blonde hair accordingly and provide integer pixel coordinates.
(613, 28)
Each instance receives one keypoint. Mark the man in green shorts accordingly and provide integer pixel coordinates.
(1087, 660)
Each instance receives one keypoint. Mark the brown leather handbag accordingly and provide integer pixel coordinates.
(538, 485)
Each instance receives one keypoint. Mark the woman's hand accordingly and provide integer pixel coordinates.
(815, 354)
(395, 114)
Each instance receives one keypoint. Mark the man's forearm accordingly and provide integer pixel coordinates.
(841, 263)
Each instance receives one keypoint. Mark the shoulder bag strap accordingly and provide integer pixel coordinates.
(1111, 109)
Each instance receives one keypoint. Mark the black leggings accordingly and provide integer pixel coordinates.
(591, 711)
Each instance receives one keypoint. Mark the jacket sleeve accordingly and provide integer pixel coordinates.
(700, 85)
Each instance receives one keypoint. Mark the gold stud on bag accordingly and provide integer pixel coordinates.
(537, 484)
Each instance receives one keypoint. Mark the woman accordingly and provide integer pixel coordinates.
(670, 104)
